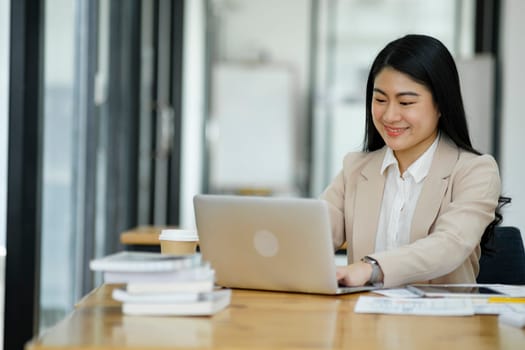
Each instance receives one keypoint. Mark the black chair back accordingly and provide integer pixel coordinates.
(506, 264)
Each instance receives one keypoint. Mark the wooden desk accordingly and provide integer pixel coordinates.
(271, 320)
(142, 235)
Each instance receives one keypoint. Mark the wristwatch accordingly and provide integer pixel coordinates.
(376, 278)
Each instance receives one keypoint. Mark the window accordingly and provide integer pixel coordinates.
(350, 34)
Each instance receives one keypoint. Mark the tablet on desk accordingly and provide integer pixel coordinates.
(453, 290)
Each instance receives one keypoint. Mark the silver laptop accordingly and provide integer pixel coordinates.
(268, 243)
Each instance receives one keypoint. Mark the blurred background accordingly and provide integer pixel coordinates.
(114, 113)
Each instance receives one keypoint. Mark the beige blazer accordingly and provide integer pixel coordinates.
(457, 202)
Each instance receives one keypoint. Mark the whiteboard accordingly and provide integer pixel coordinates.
(251, 134)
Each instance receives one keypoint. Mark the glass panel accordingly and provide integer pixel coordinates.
(4, 123)
(257, 127)
(259, 65)
(57, 245)
(351, 33)
(88, 128)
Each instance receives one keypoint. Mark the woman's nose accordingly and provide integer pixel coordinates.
(392, 113)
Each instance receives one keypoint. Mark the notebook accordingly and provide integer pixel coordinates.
(268, 243)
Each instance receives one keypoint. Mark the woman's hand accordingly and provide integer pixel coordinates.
(354, 275)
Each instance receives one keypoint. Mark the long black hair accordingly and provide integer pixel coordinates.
(427, 61)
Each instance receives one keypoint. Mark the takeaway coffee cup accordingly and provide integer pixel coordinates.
(178, 241)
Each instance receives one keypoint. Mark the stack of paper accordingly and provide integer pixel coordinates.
(158, 284)
(507, 301)
(415, 306)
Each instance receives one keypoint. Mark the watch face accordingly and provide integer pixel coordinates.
(369, 260)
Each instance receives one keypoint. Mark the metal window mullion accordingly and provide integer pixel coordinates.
(24, 174)
(145, 169)
(119, 121)
(128, 119)
(487, 41)
(85, 143)
(173, 213)
(313, 59)
(164, 114)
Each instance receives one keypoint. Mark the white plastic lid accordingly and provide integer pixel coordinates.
(178, 235)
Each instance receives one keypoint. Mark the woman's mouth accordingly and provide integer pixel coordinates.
(391, 131)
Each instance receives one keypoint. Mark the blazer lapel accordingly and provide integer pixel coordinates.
(434, 188)
(369, 195)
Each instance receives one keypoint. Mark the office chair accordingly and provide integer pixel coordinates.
(506, 263)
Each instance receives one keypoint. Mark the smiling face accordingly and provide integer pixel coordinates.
(404, 114)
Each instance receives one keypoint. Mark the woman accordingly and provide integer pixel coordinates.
(413, 206)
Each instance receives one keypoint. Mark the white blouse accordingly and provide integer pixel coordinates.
(400, 198)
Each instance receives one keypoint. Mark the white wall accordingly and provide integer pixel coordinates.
(512, 137)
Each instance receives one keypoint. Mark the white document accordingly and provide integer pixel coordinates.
(396, 293)
(415, 306)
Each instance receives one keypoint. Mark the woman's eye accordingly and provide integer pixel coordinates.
(380, 100)
(405, 103)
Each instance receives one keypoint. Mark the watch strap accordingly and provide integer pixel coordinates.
(376, 276)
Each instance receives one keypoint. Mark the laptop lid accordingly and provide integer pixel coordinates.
(268, 243)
